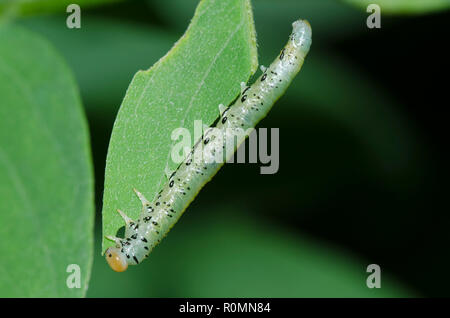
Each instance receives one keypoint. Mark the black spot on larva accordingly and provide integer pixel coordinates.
(282, 55)
(206, 140)
(146, 248)
(134, 236)
(224, 120)
(131, 224)
(155, 223)
(188, 162)
(263, 78)
(171, 184)
(144, 239)
(150, 209)
(147, 218)
(188, 188)
(109, 255)
(121, 250)
(172, 210)
(243, 98)
(128, 256)
(136, 227)
(157, 203)
(135, 259)
(128, 239)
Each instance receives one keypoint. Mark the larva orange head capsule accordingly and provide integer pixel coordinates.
(116, 259)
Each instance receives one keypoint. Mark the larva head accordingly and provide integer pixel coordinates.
(301, 34)
(116, 259)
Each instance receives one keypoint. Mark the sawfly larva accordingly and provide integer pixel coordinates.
(185, 182)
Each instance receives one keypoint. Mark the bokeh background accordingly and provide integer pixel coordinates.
(363, 156)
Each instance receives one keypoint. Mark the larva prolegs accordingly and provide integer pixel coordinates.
(145, 203)
(167, 172)
(125, 217)
(243, 87)
(222, 108)
(186, 181)
(116, 240)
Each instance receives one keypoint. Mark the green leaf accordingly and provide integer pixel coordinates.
(46, 183)
(229, 254)
(93, 52)
(204, 69)
(404, 6)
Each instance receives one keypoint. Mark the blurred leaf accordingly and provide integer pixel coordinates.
(104, 55)
(46, 184)
(357, 156)
(273, 18)
(27, 7)
(404, 6)
(203, 70)
(343, 133)
(349, 97)
(227, 254)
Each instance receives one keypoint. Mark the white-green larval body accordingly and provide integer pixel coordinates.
(255, 101)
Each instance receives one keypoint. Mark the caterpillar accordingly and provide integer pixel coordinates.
(185, 182)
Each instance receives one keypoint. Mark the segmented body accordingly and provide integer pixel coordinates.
(182, 186)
